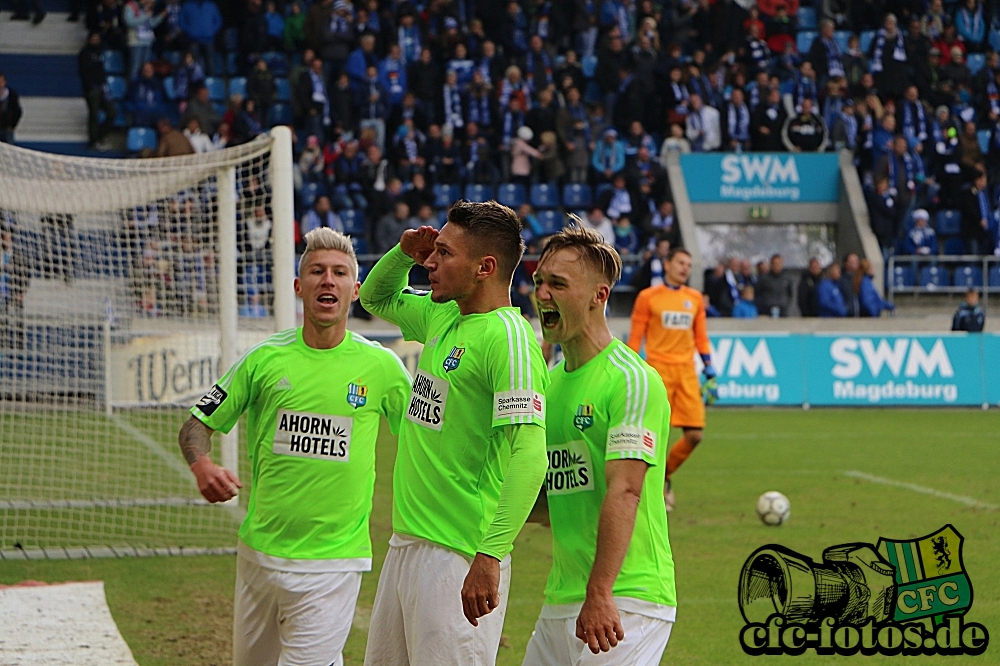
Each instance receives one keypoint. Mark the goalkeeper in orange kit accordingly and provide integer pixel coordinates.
(671, 319)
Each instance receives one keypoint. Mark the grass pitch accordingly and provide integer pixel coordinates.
(178, 611)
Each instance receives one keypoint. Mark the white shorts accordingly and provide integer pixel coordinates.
(554, 643)
(291, 619)
(417, 617)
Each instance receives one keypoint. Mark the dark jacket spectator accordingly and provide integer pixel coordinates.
(390, 228)
(261, 87)
(767, 122)
(774, 289)
(884, 213)
(90, 65)
(105, 18)
(718, 291)
(805, 132)
(976, 216)
(204, 110)
(173, 143)
(808, 283)
(10, 110)
(969, 316)
(146, 99)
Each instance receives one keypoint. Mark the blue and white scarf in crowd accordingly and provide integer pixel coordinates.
(834, 58)
(319, 95)
(738, 122)
(910, 167)
(805, 87)
(681, 95)
(511, 121)
(453, 106)
(698, 126)
(832, 106)
(898, 51)
(409, 42)
(580, 115)
(914, 120)
(944, 145)
(850, 128)
(529, 73)
(479, 110)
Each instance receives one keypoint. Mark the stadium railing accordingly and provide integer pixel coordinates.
(942, 274)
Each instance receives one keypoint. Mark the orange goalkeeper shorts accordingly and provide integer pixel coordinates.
(687, 409)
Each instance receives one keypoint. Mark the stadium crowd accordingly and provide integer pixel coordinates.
(391, 101)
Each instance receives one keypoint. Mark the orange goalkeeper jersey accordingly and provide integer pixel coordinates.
(673, 323)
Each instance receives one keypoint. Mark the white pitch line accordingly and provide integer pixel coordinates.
(968, 501)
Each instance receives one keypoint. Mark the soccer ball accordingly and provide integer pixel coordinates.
(773, 508)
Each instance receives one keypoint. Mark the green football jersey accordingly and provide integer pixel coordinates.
(613, 408)
(477, 374)
(312, 421)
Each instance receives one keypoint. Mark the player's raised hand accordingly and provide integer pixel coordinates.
(599, 625)
(481, 591)
(418, 243)
(217, 484)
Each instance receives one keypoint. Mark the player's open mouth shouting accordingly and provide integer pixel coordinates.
(550, 316)
(327, 299)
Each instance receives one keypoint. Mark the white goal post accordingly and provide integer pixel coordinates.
(126, 288)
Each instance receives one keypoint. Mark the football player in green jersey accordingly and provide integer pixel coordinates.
(314, 397)
(471, 454)
(612, 579)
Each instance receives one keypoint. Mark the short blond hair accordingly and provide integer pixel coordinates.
(325, 238)
(590, 246)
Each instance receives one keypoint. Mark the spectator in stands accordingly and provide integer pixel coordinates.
(626, 239)
(573, 128)
(652, 272)
(426, 82)
(172, 143)
(146, 99)
(10, 110)
(870, 301)
(293, 34)
(597, 221)
(106, 18)
(969, 317)
(202, 108)
(829, 299)
(885, 214)
(360, 59)
(718, 290)
(321, 215)
(774, 289)
(248, 124)
(676, 142)
(736, 128)
(922, 239)
(608, 157)
(808, 284)
(391, 226)
(348, 188)
(200, 142)
(968, 142)
(889, 59)
(825, 54)
(22, 11)
(141, 22)
(744, 308)
(844, 129)
(15, 276)
(521, 154)
(313, 99)
(200, 20)
(970, 25)
(253, 36)
(90, 65)
(977, 214)
(767, 123)
(703, 130)
(850, 266)
(187, 75)
(805, 131)
(262, 89)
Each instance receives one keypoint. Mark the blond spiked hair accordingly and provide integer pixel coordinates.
(325, 238)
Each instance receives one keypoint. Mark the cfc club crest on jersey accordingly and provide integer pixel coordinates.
(357, 395)
(454, 358)
(584, 416)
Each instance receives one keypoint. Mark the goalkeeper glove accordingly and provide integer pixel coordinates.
(708, 370)
(710, 391)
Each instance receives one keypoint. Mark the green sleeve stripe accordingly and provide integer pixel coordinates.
(636, 387)
(281, 339)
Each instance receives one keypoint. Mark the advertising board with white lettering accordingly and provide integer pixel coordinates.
(857, 370)
(761, 177)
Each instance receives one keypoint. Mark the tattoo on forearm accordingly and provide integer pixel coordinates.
(195, 440)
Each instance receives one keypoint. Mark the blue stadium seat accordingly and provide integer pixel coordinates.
(953, 245)
(934, 276)
(231, 39)
(804, 40)
(995, 39)
(948, 222)
(442, 217)
(994, 276)
(139, 138)
(114, 62)
(220, 107)
(169, 89)
(865, 40)
(354, 221)
(359, 243)
(276, 62)
(589, 65)
(117, 87)
(284, 90)
(173, 57)
(310, 191)
(975, 62)
(216, 88)
(511, 194)
(842, 37)
(478, 193)
(281, 114)
(446, 195)
(232, 63)
(984, 140)
(601, 189)
(238, 86)
(544, 195)
(551, 221)
(902, 276)
(807, 18)
(968, 276)
(576, 195)
(628, 273)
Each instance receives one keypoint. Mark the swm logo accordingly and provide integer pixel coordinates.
(734, 360)
(910, 364)
(759, 169)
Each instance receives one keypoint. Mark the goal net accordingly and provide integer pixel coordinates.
(126, 288)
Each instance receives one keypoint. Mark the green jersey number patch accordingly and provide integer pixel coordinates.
(317, 436)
